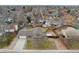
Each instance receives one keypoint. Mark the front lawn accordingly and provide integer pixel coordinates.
(38, 44)
(6, 39)
(74, 44)
(29, 44)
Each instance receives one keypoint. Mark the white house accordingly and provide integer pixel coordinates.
(10, 28)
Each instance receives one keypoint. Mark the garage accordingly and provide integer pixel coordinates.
(22, 35)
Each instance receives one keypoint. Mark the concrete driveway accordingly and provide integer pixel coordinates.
(18, 43)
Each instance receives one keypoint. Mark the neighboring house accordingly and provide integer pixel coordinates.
(47, 23)
(8, 20)
(10, 28)
(54, 12)
(51, 22)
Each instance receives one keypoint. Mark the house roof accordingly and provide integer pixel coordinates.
(8, 27)
(22, 33)
(50, 33)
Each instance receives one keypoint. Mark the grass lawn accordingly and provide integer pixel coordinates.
(49, 45)
(39, 44)
(74, 45)
(44, 44)
(6, 40)
(29, 44)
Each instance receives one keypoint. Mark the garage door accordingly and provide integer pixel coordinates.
(22, 37)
